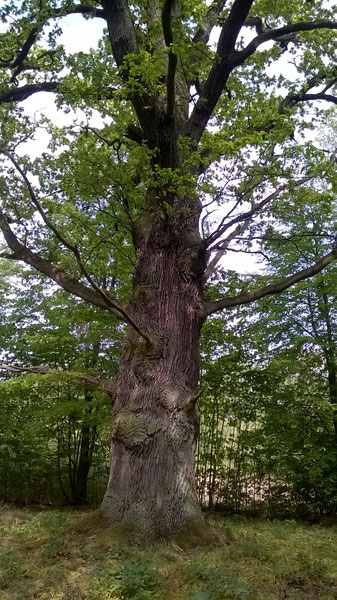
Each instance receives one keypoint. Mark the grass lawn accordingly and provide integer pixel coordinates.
(43, 556)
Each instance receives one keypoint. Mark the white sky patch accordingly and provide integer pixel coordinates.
(79, 35)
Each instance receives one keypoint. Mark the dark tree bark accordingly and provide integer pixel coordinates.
(152, 480)
(84, 463)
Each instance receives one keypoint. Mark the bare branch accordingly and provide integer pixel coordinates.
(275, 34)
(106, 386)
(256, 208)
(273, 288)
(220, 71)
(243, 251)
(224, 247)
(132, 132)
(18, 94)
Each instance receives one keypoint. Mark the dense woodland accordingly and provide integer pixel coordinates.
(132, 349)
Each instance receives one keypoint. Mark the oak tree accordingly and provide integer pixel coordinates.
(203, 106)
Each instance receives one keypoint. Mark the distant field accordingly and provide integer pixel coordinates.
(42, 557)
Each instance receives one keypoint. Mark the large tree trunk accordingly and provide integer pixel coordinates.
(152, 478)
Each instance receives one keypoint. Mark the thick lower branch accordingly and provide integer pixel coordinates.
(95, 296)
(273, 288)
(107, 386)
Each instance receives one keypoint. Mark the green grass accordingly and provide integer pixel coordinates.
(44, 557)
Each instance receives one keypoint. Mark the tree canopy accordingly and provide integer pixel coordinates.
(252, 94)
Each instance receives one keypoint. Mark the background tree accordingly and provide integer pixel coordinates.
(268, 424)
(132, 192)
(53, 428)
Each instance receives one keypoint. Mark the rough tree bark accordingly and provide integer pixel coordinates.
(152, 479)
(155, 421)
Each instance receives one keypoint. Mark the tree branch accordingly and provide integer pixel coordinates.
(24, 254)
(73, 248)
(302, 95)
(17, 63)
(254, 22)
(204, 31)
(318, 96)
(81, 9)
(292, 99)
(223, 247)
(166, 20)
(18, 94)
(22, 55)
(121, 30)
(220, 71)
(202, 36)
(273, 288)
(229, 59)
(250, 213)
(106, 386)
(123, 42)
(232, 26)
(274, 34)
(135, 134)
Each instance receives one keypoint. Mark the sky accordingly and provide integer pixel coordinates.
(79, 35)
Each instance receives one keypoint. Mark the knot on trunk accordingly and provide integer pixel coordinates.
(178, 398)
(133, 430)
(137, 350)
